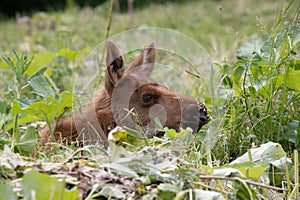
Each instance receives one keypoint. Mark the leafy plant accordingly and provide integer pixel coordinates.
(34, 99)
(45, 187)
(262, 91)
(18, 64)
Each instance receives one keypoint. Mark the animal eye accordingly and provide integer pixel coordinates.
(147, 98)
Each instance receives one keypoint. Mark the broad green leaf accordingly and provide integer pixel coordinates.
(237, 76)
(23, 119)
(7, 192)
(40, 60)
(45, 110)
(171, 133)
(68, 53)
(292, 80)
(239, 70)
(43, 186)
(132, 132)
(28, 141)
(40, 73)
(72, 55)
(41, 86)
(252, 170)
(291, 132)
(246, 50)
(115, 150)
(267, 152)
(282, 163)
(120, 135)
(117, 134)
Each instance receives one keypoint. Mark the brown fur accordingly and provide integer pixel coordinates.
(125, 90)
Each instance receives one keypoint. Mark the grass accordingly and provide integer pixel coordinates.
(205, 21)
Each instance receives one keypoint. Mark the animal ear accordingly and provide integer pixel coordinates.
(115, 66)
(144, 63)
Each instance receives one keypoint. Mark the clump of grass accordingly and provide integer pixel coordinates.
(261, 94)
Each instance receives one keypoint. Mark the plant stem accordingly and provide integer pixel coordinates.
(111, 8)
(246, 181)
(295, 193)
(51, 83)
(16, 133)
(245, 97)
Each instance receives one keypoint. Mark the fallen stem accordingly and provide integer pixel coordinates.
(74, 154)
(211, 188)
(246, 181)
(196, 75)
(84, 149)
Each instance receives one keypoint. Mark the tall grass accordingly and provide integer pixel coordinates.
(261, 93)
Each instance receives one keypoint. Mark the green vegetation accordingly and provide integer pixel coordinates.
(255, 46)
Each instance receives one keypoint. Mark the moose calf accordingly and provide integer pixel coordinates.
(133, 90)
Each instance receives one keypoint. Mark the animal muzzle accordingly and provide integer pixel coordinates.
(195, 116)
(203, 116)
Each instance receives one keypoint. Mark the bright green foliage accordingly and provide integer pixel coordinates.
(252, 170)
(40, 60)
(35, 98)
(289, 80)
(41, 87)
(7, 192)
(47, 109)
(73, 55)
(43, 186)
(262, 91)
(28, 141)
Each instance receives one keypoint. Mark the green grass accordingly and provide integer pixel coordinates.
(218, 25)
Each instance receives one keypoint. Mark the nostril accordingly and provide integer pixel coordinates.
(204, 119)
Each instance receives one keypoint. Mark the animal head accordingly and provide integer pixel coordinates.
(131, 89)
(135, 90)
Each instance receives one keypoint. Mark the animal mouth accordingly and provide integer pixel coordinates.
(197, 123)
(202, 121)
(204, 118)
